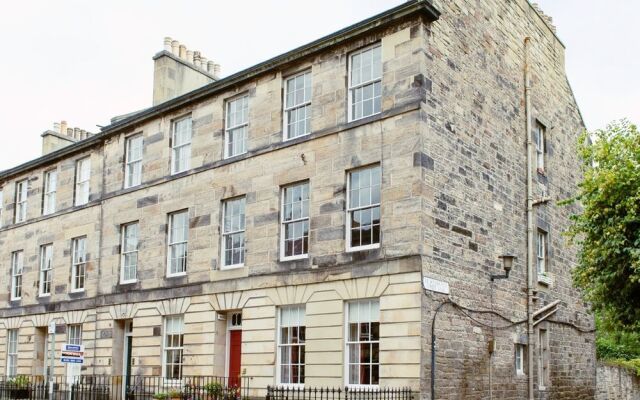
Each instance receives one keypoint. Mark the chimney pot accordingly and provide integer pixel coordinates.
(216, 70)
(175, 47)
(203, 63)
(167, 43)
(190, 56)
(210, 67)
(70, 132)
(56, 127)
(63, 128)
(76, 133)
(183, 52)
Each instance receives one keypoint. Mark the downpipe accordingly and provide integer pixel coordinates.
(530, 244)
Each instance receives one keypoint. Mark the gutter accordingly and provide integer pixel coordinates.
(388, 17)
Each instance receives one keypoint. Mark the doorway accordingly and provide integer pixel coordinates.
(234, 346)
(126, 356)
(122, 354)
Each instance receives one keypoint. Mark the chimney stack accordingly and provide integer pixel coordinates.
(179, 70)
(61, 136)
(546, 18)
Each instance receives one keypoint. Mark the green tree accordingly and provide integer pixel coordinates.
(607, 230)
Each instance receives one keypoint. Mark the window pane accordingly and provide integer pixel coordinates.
(291, 344)
(365, 84)
(233, 231)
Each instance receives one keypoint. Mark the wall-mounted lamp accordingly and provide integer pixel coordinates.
(507, 264)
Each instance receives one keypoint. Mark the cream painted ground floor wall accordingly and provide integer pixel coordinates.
(206, 320)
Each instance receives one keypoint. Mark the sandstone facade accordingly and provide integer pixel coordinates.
(450, 142)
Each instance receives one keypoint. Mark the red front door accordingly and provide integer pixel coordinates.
(235, 353)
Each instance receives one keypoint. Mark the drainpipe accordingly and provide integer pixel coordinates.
(530, 254)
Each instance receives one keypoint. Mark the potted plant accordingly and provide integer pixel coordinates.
(161, 396)
(175, 394)
(214, 390)
(19, 387)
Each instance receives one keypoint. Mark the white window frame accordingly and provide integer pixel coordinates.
(303, 218)
(165, 348)
(176, 148)
(540, 146)
(49, 192)
(305, 103)
(17, 269)
(22, 195)
(541, 252)
(124, 252)
(46, 270)
(243, 124)
(300, 322)
(519, 359)
(74, 334)
(133, 164)
(543, 358)
(226, 233)
(172, 241)
(12, 352)
(372, 205)
(83, 181)
(352, 88)
(374, 302)
(78, 263)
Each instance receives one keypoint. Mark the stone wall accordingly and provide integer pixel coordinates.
(399, 294)
(474, 203)
(616, 383)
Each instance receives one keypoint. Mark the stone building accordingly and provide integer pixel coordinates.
(282, 223)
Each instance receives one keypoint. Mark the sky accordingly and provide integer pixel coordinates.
(87, 61)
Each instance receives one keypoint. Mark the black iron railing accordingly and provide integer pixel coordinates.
(346, 393)
(107, 387)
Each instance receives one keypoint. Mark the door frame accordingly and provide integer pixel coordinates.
(230, 327)
(126, 356)
(127, 335)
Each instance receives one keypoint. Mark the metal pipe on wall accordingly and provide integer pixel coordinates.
(530, 253)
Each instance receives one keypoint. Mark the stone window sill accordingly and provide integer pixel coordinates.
(545, 280)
